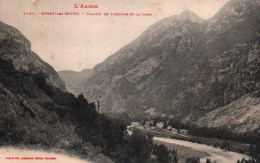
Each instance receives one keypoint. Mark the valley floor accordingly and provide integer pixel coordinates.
(204, 151)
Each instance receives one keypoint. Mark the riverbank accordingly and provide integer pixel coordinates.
(183, 152)
(215, 154)
(218, 143)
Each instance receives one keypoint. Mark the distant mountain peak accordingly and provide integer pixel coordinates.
(238, 7)
(189, 15)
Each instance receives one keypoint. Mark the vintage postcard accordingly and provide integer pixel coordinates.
(130, 81)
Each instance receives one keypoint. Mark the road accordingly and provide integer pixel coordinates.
(216, 154)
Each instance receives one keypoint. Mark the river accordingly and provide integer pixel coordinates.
(11, 155)
(216, 154)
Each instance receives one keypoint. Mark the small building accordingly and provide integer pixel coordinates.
(147, 125)
(160, 124)
(174, 131)
(169, 127)
(183, 132)
(135, 124)
(150, 122)
(129, 132)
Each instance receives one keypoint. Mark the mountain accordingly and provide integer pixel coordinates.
(240, 115)
(29, 107)
(186, 68)
(37, 112)
(25, 107)
(17, 49)
(73, 78)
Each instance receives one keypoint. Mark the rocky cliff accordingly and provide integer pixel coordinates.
(16, 48)
(184, 67)
(28, 109)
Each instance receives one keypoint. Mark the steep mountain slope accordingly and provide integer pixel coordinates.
(73, 78)
(28, 113)
(136, 67)
(17, 49)
(241, 115)
(183, 67)
(34, 109)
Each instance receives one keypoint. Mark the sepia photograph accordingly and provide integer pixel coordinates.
(129, 81)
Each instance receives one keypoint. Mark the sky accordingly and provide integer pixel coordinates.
(76, 42)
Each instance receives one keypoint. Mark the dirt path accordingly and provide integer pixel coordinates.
(216, 154)
(13, 155)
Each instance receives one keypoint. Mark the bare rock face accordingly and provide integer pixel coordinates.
(16, 48)
(183, 67)
(241, 115)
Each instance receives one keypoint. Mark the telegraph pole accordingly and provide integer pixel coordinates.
(98, 106)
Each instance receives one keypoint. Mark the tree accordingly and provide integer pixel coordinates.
(173, 156)
(164, 155)
(139, 148)
(208, 160)
(161, 153)
(193, 160)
